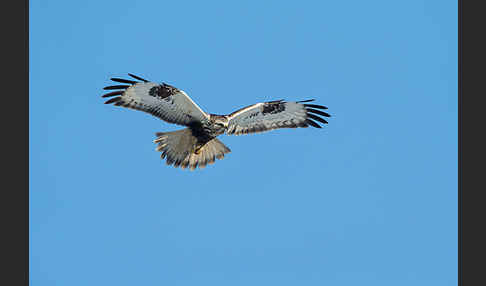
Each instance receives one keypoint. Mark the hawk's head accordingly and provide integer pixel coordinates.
(219, 122)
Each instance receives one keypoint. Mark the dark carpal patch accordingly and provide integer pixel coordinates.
(163, 91)
(273, 107)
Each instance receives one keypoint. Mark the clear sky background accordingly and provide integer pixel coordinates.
(371, 199)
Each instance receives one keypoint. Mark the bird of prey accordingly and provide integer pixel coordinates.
(197, 145)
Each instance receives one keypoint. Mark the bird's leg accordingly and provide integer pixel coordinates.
(199, 146)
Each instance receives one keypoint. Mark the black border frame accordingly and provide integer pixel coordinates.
(471, 63)
(15, 133)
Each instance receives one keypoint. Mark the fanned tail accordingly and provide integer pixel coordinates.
(179, 149)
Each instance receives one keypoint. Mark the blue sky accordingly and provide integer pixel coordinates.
(371, 199)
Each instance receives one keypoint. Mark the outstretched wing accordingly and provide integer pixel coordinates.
(161, 100)
(271, 115)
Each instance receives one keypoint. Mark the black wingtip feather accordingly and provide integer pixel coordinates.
(316, 118)
(116, 87)
(123, 80)
(114, 93)
(318, 112)
(308, 100)
(137, 77)
(315, 106)
(312, 123)
(111, 100)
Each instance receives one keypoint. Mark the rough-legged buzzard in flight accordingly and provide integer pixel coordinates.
(197, 145)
